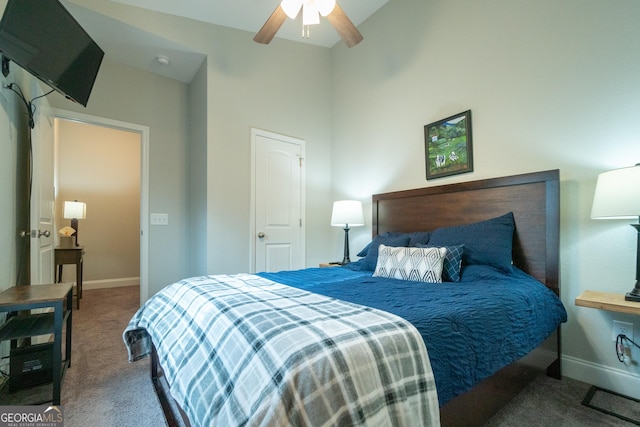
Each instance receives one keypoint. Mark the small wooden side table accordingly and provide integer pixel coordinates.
(610, 302)
(22, 298)
(607, 301)
(72, 255)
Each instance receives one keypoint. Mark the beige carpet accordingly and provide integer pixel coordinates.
(103, 389)
(550, 402)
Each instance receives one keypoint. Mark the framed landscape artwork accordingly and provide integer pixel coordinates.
(447, 144)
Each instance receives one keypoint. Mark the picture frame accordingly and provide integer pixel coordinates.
(448, 146)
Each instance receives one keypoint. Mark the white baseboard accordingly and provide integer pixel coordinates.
(110, 283)
(602, 376)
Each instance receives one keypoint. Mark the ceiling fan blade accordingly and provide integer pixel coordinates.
(343, 25)
(271, 27)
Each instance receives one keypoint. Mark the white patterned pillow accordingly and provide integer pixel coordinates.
(416, 264)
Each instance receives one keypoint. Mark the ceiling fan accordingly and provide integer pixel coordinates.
(311, 11)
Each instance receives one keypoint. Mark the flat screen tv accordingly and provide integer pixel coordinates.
(42, 37)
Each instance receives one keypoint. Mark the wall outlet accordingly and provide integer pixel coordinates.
(159, 219)
(622, 328)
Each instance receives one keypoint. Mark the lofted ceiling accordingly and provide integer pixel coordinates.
(249, 15)
(135, 47)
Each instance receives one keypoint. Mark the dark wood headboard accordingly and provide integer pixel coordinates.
(534, 199)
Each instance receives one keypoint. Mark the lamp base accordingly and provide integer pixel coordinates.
(634, 295)
(74, 225)
(346, 260)
(630, 297)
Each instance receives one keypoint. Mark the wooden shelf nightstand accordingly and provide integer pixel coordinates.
(610, 302)
(607, 301)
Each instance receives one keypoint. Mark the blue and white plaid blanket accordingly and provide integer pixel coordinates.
(241, 350)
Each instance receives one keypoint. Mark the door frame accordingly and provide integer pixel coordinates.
(255, 132)
(143, 131)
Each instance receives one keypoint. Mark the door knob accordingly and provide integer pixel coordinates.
(45, 233)
(260, 235)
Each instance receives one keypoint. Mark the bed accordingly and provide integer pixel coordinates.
(441, 374)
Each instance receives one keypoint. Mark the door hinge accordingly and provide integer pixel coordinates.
(300, 159)
(300, 222)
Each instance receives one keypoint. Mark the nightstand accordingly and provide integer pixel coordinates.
(26, 298)
(72, 255)
(610, 302)
(607, 301)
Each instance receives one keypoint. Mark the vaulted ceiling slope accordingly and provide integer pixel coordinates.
(249, 15)
(138, 48)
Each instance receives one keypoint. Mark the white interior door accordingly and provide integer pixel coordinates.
(42, 199)
(278, 188)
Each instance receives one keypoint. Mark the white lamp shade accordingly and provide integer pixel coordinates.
(347, 212)
(75, 210)
(617, 194)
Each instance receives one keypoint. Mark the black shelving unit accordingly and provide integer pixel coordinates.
(23, 299)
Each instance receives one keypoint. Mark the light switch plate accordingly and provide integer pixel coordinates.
(159, 219)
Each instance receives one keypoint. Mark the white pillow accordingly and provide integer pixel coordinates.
(415, 264)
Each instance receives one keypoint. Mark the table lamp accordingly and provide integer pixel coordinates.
(74, 211)
(347, 213)
(617, 196)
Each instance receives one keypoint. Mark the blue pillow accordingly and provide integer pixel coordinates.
(419, 238)
(415, 238)
(452, 262)
(387, 239)
(363, 252)
(487, 242)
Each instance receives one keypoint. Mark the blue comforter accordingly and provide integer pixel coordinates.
(471, 329)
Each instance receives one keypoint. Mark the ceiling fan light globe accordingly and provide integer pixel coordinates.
(291, 7)
(325, 7)
(310, 14)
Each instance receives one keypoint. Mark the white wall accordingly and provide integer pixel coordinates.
(283, 87)
(160, 104)
(550, 85)
(197, 172)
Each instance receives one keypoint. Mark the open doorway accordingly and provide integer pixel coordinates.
(100, 167)
(105, 162)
